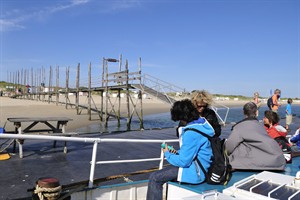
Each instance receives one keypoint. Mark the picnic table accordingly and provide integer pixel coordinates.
(25, 125)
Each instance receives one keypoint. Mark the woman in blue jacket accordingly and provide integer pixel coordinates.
(183, 166)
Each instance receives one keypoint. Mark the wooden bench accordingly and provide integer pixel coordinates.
(59, 128)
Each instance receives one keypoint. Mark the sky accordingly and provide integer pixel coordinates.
(233, 47)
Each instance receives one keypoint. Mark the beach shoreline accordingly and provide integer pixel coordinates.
(12, 108)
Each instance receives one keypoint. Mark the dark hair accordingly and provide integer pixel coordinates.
(250, 109)
(184, 110)
(290, 100)
(272, 116)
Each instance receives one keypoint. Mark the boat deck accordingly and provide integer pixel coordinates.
(42, 160)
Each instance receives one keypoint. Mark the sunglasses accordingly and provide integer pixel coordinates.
(201, 106)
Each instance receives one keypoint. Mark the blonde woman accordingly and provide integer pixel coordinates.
(202, 100)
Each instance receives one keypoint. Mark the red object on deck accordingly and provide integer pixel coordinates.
(48, 182)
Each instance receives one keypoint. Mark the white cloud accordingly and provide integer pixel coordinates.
(14, 19)
(6, 25)
(77, 2)
(125, 4)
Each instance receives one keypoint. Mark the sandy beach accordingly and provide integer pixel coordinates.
(11, 108)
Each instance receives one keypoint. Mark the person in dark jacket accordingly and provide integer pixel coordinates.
(202, 100)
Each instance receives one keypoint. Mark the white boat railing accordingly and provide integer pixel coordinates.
(223, 121)
(95, 142)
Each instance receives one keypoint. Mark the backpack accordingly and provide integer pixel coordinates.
(270, 103)
(219, 172)
(285, 147)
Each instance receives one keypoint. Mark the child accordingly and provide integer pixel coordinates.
(278, 133)
(288, 112)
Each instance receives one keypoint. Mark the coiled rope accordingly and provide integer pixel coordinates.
(49, 193)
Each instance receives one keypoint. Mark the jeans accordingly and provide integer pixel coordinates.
(157, 179)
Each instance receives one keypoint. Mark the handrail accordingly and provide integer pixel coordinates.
(95, 145)
(162, 84)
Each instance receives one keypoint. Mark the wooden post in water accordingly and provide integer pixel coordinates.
(141, 94)
(89, 92)
(119, 93)
(103, 70)
(119, 107)
(77, 88)
(106, 95)
(127, 97)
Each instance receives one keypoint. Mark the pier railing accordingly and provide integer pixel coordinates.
(161, 85)
(95, 142)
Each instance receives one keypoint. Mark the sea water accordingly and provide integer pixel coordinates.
(163, 120)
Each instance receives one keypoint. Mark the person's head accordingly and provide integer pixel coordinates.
(290, 100)
(277, 92)
(250, 109)
(184, 111)
(201, 100)
(256, 94)
(270, 118)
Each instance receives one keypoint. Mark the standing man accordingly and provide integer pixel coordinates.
(275, 100)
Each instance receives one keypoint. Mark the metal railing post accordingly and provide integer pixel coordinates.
(161, 163)
(93, 164)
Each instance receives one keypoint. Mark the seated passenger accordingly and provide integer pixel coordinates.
(202, 100)
(295, 141)
(184, 167)
(249, 146)
(271, 124)
(278, 133)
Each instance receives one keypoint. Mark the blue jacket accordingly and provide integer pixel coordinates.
(192, 144)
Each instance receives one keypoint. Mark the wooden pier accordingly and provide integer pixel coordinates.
(111, 88)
